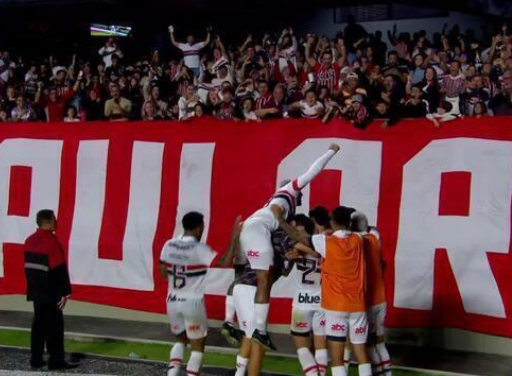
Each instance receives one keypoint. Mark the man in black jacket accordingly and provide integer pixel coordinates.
(48, 286)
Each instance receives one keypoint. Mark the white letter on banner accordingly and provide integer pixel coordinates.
(466, 239)
(195, 183)
(44, 156)
(360, 162)
(135, 271)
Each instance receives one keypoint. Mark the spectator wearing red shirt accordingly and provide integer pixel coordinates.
(264, 95)
(49, 288)
(327, 72)
(55, 105)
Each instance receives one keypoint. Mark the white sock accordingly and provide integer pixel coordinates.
(385, 359)
(365, 369)
(338, 371)
(346, 358)
(260, 316)
(230, 309)
(175, 359)
(322, 360)
(241, 365)
(375, 359)
(194, 363)
(307, 362)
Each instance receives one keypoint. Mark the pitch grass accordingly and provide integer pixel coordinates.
(160, 352)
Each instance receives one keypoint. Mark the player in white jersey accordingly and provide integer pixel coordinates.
(256, 244)
(307, 315)
(185, 260)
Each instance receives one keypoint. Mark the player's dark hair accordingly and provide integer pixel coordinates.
(45, 215)
(192, 220)
(320, 215)
(307, 223)
(341, 215)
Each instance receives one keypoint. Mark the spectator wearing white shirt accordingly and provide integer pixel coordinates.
(108, 50)
(71, 115)
(190, 50)
(23, 112)
(187, 103)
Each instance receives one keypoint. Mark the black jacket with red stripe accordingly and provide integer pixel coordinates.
(45, 268)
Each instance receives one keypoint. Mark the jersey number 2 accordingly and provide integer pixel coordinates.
(310, 266)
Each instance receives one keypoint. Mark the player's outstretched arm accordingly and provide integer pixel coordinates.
(305, 250)
(234, 245)
(317, 167)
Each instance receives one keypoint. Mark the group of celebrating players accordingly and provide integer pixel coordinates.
(339, 304)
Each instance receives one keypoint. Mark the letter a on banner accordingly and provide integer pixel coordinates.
(135, 271)
(467, 239)
(360, 162)
(44, 158)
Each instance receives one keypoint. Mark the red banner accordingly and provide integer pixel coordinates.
(440, 197)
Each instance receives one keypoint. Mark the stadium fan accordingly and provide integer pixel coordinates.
(190, 50)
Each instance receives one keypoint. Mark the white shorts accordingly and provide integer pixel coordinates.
(339, 324)
(256, 244)
(306, 321)
(243, 296)
(376, 318)
(187, 315)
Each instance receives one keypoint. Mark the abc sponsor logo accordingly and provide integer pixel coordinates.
(337, 328)
(253, 254)
(301, 325)
(305, 298)
(361, 330)
(194, 327)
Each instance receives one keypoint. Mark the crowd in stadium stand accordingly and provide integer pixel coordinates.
(355, 76)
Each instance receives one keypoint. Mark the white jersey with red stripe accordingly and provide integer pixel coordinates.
(191, 53)
(187, 262)
(311, 112)
(286, 196)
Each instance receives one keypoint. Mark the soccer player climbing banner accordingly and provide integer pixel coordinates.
(441, 199)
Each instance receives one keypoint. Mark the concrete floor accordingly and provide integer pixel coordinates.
(408, 356)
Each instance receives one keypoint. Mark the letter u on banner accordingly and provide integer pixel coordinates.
(43, 156)
(135, 271)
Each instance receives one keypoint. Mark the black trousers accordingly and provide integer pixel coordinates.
(47, 328)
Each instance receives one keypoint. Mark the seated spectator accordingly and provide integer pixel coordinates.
(199, 110)
(149, 112)
(23, 112)
(445, 113)
(263, 95)
(480, 110)
(310, 107)
(502, 103)
(93, 106)
(248, 110)
(414, 106)
(117, 108)
(10, 100)
(357, 113)
(187, 103)
(3, 115)
(430, 88)
(71, 115)
(227, 109)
